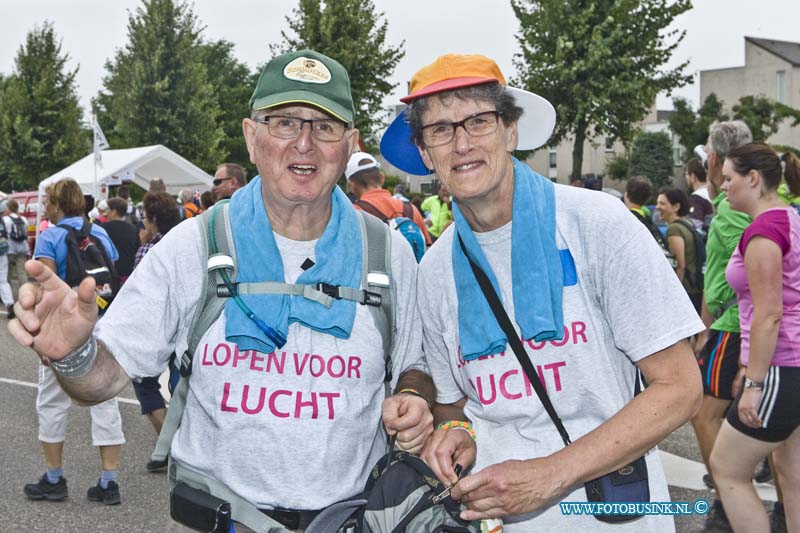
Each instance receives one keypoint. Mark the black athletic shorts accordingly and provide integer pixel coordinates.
(779, 408)
(719, 363)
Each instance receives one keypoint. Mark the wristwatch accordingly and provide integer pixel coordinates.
(750, 384)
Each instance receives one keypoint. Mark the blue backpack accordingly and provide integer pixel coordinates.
(404, 224)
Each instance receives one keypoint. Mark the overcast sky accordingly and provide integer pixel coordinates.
(92, 29)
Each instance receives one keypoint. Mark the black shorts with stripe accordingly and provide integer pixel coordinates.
(779, 408)
(719, 363)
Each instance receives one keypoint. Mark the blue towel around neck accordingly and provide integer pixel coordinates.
(337, 262)
(536, 271)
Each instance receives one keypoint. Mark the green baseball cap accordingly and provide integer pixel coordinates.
(305, 77)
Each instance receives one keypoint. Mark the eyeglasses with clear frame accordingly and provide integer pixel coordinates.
(323, 129)
(441, 133)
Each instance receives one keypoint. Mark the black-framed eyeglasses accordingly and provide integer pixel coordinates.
(323, 129)
(218, 181)
(440, 133)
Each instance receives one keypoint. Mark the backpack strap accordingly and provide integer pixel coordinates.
(206, 313)
(377, 278)
(408, 211)
(372, 210)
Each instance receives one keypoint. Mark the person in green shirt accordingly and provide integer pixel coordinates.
(718, 348)
(437, 212)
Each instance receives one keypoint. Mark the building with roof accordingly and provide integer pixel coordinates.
(771, 69)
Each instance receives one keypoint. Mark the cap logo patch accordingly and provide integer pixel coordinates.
(307, 70)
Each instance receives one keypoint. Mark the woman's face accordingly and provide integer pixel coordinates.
(737, 187)
(666, 210)
(472, 168)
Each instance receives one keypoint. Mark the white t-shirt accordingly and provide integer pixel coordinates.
(295, 429)
(702, 192)
(626, 305)
(15, 247)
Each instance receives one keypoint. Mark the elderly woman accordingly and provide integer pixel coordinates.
(673, 207)
(565, 262)
(765, 273)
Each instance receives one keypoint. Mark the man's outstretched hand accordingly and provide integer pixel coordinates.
(52, 318)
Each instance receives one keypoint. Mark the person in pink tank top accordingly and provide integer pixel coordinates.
(764, 270)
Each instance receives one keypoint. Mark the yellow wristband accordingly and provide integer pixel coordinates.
(459, 424)
(414, 392)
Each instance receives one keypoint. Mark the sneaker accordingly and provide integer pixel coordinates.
(108, 496)
(708, 481)
(44, 490)
(717, 521)
(156, 466)
(777, 519)
(763, 473)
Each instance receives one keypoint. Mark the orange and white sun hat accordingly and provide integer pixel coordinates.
(455, 71)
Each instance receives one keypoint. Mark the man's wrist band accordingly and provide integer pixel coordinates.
(77, 363)
(459, 424)
(414, 392)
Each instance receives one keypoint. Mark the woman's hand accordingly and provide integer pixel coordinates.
(748, 407)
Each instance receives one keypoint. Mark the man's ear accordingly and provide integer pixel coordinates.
(249, 131)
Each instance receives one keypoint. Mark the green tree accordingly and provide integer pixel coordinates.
(763, 116)
(618, 167)
(651, 156)
(601, 64)
(233, 84)
(354, 34)
(157, 89)
(691, 127)
(40, 118)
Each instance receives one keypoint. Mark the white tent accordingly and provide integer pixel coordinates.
(139, 164)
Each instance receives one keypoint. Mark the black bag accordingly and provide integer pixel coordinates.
(199, 510)
(629, 483)
(656, 233)
(398, 498)
(86, 256)
(19, 229)
(696, 277)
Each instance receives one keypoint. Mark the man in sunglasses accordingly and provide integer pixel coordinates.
(228, 178)
(286, 394)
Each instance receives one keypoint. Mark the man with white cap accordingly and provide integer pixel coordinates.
(559, 266)
(286, 389)
(365, 180)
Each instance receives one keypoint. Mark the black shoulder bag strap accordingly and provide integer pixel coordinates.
(513, 339)
(371, 209)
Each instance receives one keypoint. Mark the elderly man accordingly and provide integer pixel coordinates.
(190, 209)
(285, 400)
(565, 262)
(228, 179)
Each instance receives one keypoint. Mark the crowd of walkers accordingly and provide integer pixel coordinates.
(734, 243)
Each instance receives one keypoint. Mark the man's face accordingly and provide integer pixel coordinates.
(714, 165)
(471, 168)
(224, 185)
(299, 171)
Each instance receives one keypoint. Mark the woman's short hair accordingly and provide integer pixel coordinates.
(67, 196)
(494, 93)
(161, 209)
(759, 156)
(677, 196)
